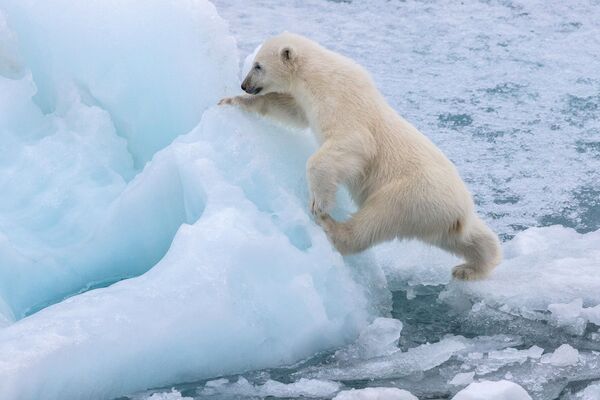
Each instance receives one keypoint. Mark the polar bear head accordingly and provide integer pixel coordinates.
(274, 65)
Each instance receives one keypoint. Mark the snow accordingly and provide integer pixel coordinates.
(375, 394)
(500, 390)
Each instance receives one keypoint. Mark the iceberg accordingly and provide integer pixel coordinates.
(240, 277)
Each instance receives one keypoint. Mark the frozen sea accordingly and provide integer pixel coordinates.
(156, 247)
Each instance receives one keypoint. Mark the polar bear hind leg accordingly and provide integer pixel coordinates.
(473, 241)
(478, 245)
(369, 225)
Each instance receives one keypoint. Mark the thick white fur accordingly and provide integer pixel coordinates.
(403, 184)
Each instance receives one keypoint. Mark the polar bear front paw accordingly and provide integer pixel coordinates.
(315, 208)
(318, 207)
(227, 101)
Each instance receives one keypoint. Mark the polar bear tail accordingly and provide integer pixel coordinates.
(477, 244)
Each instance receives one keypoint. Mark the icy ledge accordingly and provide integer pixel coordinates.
(252, 284)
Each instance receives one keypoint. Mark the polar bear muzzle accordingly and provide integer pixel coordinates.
(249, 88)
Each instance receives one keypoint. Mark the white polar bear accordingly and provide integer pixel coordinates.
(403, 184)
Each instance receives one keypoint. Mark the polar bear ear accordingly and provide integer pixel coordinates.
(287, 54)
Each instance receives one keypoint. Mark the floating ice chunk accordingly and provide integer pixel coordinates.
(172, 395)
(539, 377)
(500, 358)
(418, 359)
(514, 355)
(497, 359)
(216, 383)
(306, 388)
(301, 388)
(573, 316)
(463, 378)
(487, 390)
(592, 392)
(379, 393)
(378, 339)
(569, 316)
(414, 360)
(563, 356)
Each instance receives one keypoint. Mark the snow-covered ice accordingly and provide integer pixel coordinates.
(149, 238)
(487, 390)
(375, 394)
(545, 270)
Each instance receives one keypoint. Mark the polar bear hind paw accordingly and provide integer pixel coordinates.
(467, 272)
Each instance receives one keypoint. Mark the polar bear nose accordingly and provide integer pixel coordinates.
(244, 86)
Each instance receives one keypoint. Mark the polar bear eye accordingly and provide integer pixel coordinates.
(257, 67)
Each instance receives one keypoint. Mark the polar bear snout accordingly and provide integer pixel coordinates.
(249, 88)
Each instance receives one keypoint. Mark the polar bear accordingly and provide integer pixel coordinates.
(402, 183)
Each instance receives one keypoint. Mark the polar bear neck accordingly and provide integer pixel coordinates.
(330, 87)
